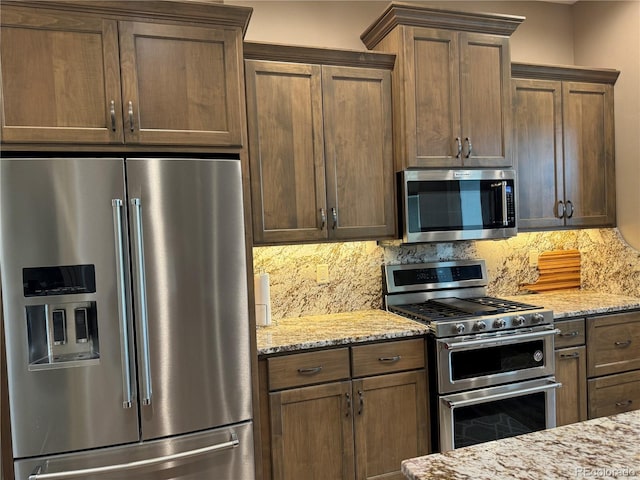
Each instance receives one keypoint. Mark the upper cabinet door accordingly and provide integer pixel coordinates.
(181, 85)
(433, 103)
(589, 156)
(60, 78)
(284, 105)
(359, 152)
(537, 131)
(485, 100)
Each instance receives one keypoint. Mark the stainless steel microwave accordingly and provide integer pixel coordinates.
(448, 205)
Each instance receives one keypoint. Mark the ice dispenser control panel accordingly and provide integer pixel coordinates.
(61, 333)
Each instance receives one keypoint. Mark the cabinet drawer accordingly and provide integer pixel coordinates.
(308, 368)
(572, 333)
(613, 344)
(614, 394)
(387, 357)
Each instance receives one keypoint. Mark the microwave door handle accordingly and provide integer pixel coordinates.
(500, 396)
(141, 295)
(116, 204)
(502, 340)
(505, 219)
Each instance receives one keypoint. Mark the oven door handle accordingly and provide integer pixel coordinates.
(501, 340)
(500, 396)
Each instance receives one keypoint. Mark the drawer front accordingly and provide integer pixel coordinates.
(572, 333)
(614, 394)
(613, 344)
(308, 368)
(387, 357)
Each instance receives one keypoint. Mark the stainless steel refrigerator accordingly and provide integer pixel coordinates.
(124, 287)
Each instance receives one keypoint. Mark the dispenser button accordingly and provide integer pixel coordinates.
(82, 327)
(59, 327)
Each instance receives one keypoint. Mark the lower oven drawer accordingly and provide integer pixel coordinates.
(478, 416)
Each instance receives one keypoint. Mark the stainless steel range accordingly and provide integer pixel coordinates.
(491, 360)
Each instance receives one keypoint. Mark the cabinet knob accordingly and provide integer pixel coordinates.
(569, 209)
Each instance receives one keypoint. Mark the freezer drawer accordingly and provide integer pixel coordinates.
(221, 454)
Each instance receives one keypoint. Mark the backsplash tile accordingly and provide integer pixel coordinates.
(609, 265)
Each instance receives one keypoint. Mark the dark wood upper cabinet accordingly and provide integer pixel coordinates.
(320, 144)
(451, 97)
(64, 66)
(564, 146)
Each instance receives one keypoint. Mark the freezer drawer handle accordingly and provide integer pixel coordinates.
(141, 295)
(116, 204)
(37, 475)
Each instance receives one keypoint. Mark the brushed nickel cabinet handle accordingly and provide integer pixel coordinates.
(348, 403)
(112, 112)
(309, 371)
(459, 145)
(561, 210)
(626, 343)
(469, 147)
(389, 359)
(570, 355)
(131, 115)
(323, 218)
(569, 334)
(360, 402)
(626, 403)
(569, 209)
(334, 216)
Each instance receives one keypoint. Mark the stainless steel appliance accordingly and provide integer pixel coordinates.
(124, 288)
(448, 205)
(491, 360)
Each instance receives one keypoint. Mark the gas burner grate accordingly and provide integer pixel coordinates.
(500, 303)
(429, 311)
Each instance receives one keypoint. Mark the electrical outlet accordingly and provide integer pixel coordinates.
(533, 257)
(322, 273)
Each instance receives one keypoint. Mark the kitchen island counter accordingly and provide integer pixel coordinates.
(578, 303)
(316, 331)
(607, 447)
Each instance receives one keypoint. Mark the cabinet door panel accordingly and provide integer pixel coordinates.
(571, 398)
(60, 75)
(390, 416)
(312, 433)
(284, 104)
(183, 84)
(589, 153)
(359, 152)
(485, 100)
(433, 106)
(613, 343)
(538, 149)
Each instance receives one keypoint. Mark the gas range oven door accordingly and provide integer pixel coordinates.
(493, 413)
(469, 362)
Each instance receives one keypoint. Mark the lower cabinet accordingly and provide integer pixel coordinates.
(571, 372)
(358, 427)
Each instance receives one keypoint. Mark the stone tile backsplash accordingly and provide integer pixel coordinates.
(609, 265)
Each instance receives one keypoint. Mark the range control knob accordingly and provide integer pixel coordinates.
(518, 321)
(458, 328)
(499, 323)
(480, 325)
(538, 317)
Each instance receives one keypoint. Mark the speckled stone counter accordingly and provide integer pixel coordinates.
(297, 334)
(601, 448)
(576, 302)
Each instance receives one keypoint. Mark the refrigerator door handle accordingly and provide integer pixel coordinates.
(116, 204)
(37, 475)
(141, 295)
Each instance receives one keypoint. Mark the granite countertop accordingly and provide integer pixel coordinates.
(296, 334)
(577, 302)
(607, 447)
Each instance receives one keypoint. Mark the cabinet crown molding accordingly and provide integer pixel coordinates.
(564, 73)
(314, 55)
(418, 16)
(196, 11)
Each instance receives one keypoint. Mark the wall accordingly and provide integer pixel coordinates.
(607, 34)
(608, 265)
